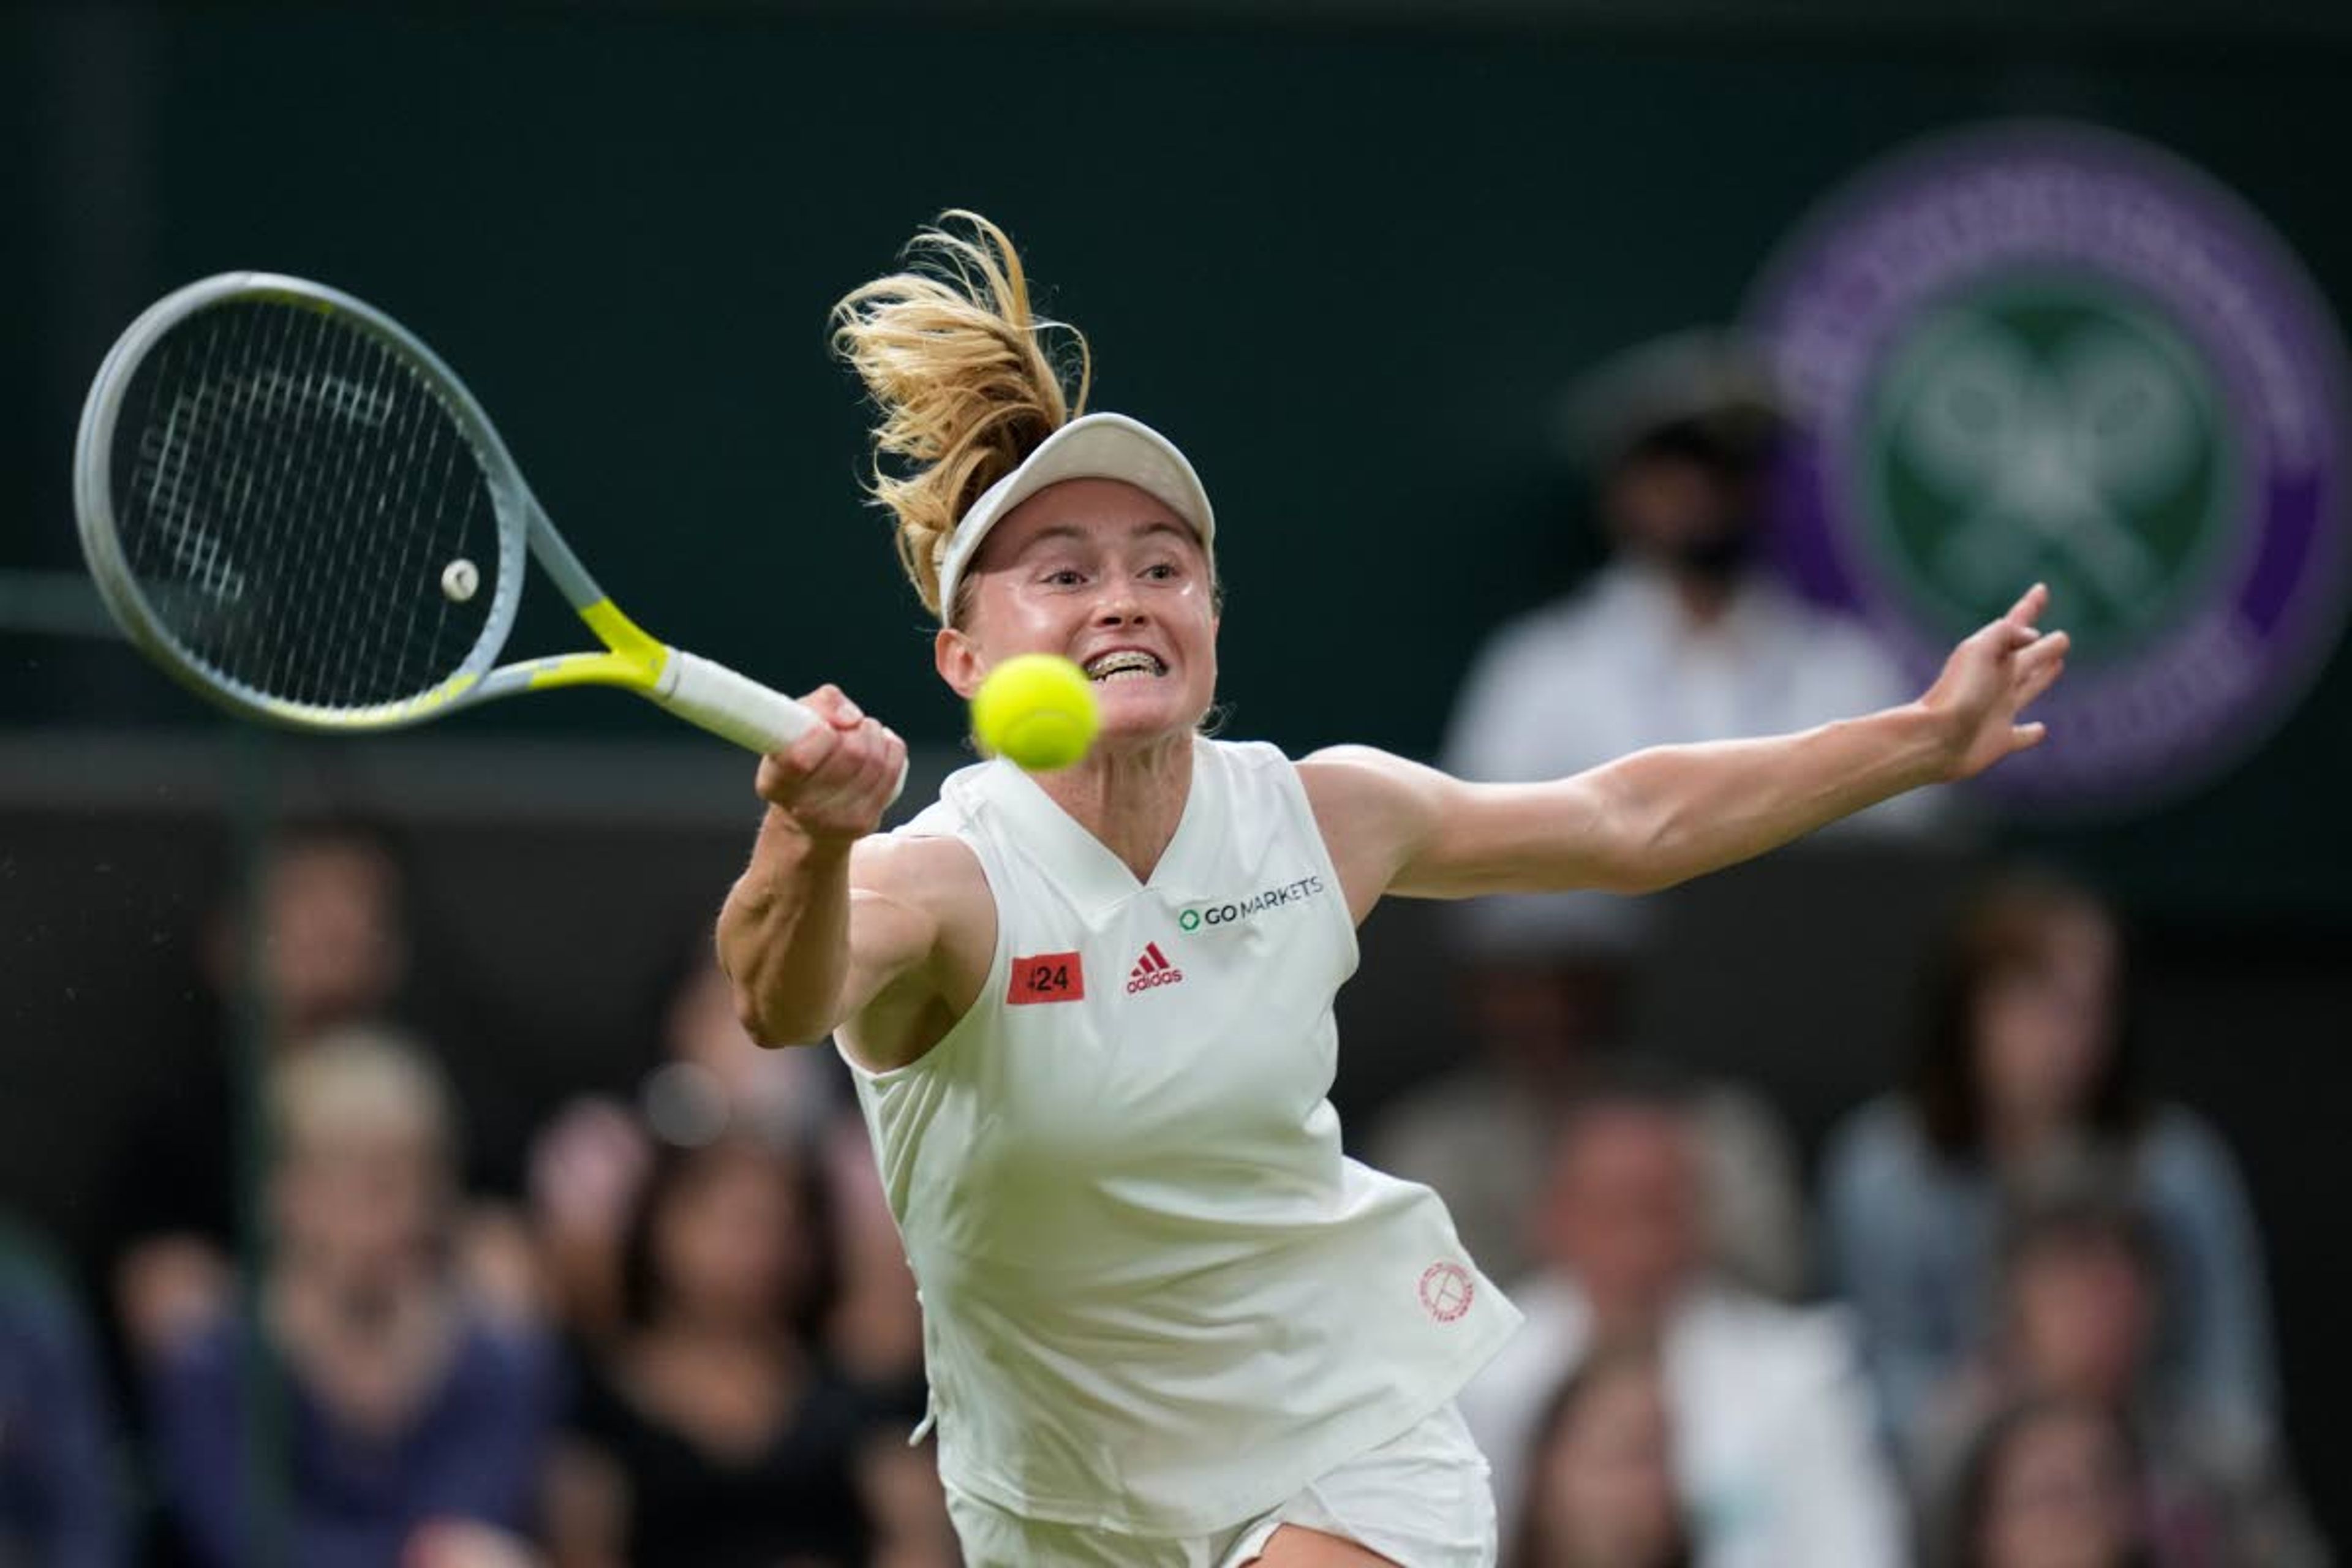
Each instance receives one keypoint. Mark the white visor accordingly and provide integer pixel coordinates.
(1092, 446)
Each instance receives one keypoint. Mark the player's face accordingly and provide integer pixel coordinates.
(1103, 574)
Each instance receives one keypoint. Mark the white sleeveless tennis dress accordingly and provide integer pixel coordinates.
(1158, 1300)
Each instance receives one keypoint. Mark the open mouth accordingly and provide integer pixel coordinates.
(1125, 663)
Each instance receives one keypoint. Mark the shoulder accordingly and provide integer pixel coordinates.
(1803, 1344)
(2177, 1135)
(911, 862)
(2182, 1154)
(1244, 757)
(1373, 810)
(1882, 1127)
(1361, 794)
(1878, 1148)
(1731, 1112)
(201, 1370)
(1359, 778)
(934, 875)
(507, 1355)
(34, 1296)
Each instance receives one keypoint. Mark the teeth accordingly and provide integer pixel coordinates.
(1131, 662)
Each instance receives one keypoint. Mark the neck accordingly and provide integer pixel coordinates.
(756, 1358)
(2017, 1137)
(1704, 599)
(1131, 800)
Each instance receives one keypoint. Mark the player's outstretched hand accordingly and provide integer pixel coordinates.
(1989, 679)
(838, 778)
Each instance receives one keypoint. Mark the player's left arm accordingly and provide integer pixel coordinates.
(1671, 812)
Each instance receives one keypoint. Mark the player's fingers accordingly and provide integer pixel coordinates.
(854, 776)
(811, 749)
(2025, 737)
(2029, 605)
(830, 703)
(846, 764)
(784, 775)
(893, 775)
(1997, 639)
(869, 752)
(2041, 651)
(770, 783)
(2039, 679)
(877, 783)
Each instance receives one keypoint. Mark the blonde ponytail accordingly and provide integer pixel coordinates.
(962, 372)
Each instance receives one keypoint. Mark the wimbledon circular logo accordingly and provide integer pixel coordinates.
(2042, 351)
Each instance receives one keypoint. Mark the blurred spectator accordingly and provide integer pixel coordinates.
(588, 1164)
(1771, 1423)
(2048, 1483)
(1683, 636)
(1546, 992)
(2028, 1068)
(328, 947)
(401, 1412)
(1600, 1488)
(717, 1432)
(60, 1503)
(2081, 1305)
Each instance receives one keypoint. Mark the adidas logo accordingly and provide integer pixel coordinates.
(1152, 969)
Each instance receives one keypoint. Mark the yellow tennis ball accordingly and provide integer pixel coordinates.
(1038, 708)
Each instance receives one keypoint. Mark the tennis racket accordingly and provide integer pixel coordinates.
(291, 504)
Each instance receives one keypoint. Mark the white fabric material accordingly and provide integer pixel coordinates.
(1774, 1442)
(1158, 1299)
(1422, 1499)
(1091, 446)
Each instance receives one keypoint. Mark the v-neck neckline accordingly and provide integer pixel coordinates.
(1099, 878)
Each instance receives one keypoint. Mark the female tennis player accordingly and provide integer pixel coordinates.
(1090, 1012)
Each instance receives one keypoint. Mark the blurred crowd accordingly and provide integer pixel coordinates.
(2019, 1321)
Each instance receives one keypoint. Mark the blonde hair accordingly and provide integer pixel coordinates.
(965, 378)
(359, 1082)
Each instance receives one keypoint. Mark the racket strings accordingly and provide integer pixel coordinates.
(291, 497)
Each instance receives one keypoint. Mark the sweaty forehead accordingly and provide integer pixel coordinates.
(1097, 511)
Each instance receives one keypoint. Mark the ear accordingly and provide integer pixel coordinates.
(958, 661)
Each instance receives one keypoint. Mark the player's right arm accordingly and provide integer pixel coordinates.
(805, 937)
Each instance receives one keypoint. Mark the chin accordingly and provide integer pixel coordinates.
(1154, 713)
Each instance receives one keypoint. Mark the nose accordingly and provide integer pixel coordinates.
(1119, 606)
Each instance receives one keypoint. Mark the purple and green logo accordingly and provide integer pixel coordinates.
(2047, 351)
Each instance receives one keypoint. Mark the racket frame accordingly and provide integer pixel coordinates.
(697, 688)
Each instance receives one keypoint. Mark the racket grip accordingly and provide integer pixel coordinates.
(735, 707)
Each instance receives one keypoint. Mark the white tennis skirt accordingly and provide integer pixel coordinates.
(1424, 1499)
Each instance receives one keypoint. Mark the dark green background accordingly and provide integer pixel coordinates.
(1348, 266)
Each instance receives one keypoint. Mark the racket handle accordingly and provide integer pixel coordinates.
(735, 707)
